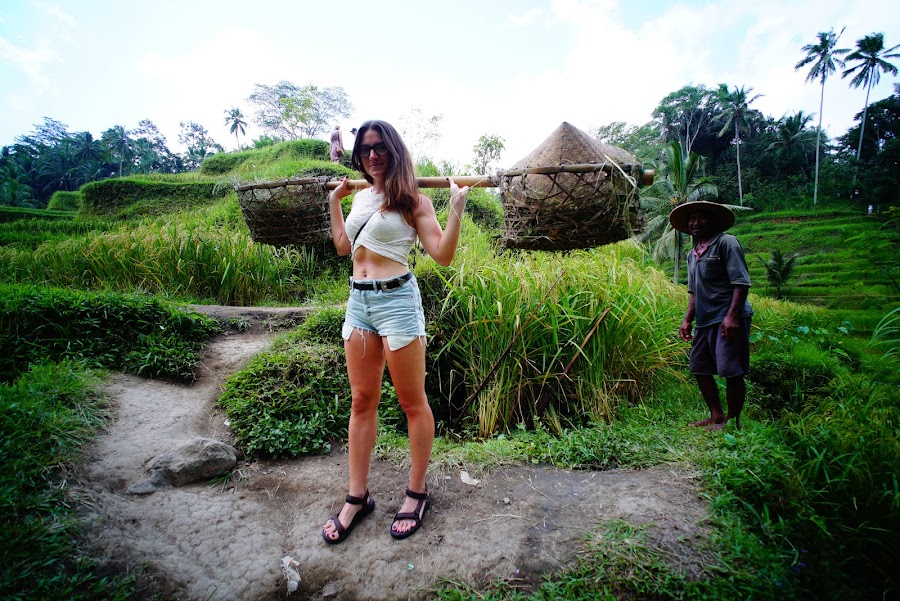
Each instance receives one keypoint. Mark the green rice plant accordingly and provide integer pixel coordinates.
(30, 233)
(887, 334)
(577, 332)
(185, 260)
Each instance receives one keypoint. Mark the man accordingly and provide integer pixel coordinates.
(718, 282)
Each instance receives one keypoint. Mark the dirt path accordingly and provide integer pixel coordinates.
(225, 541)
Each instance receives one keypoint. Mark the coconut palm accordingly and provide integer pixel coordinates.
(793, 138)
(779, 269)
(736, 113)
(870, 54)
(235, 119)
(682, 181)
(825, 59)
(118, 144)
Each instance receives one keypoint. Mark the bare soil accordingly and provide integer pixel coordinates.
(225, 540)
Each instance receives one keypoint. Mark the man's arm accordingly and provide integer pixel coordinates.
(730, 323)
(685, 330)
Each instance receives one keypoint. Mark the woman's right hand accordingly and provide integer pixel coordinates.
(343, 189)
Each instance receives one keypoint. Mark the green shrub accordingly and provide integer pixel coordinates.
(64, 201)
(137, 334)
(291, 400)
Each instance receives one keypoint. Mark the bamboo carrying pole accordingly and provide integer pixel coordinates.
(473, 181)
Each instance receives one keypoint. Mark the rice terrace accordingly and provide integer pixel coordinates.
(175, 398)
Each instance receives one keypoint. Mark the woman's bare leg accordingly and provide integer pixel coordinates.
(365, 367)
(407, 367)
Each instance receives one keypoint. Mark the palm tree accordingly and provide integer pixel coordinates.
(235, 119)
(779, 269)
(871, 54)
(792, 138)
(682, 181)
(825, 61)
(736, 112)
(58, 167)
(119, 145)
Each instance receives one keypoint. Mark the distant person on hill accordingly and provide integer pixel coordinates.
(718, 283)
(384, 320)
(337, 144)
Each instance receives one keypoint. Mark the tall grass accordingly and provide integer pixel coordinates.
(539, 333)
(886, 336)
(185, 259)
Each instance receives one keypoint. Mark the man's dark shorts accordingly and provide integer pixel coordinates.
(712, 354)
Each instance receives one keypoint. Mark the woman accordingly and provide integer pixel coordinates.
(384, 320)
(337, 144)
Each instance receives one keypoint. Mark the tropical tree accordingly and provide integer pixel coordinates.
(793, 140)
(59, 168)
(420, 132)
(118, 143)
(153, 153)
(736, 113)
(870, 55)
(487, 151)
(14, 188)
(681, 181)
(825, 59)
(199, 144)
(686, 115)
(235, 119)
(644, 142)
(86, 148)
(779, 269)
(291, 111)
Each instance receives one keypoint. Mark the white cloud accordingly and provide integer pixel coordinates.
(55, 12)
(526, 18)
(30, 61)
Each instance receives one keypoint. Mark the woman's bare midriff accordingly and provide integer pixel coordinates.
(368, 265)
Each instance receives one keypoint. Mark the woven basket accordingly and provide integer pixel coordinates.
(287, 213)
(571, 192)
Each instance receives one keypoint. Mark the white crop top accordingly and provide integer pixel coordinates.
(386, 233)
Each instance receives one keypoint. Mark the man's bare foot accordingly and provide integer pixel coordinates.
(721, 425)
(709, 421)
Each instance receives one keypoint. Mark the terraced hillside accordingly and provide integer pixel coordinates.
(847, 261)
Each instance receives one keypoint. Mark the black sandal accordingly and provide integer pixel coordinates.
(424, 500)
(344, 532)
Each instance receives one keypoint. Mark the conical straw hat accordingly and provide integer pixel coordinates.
(568, 145)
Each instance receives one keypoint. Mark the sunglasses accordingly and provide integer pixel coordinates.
(380, 149)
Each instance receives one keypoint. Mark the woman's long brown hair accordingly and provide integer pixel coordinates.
(400, 188)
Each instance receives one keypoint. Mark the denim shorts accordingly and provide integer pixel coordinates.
(394, 314)
(712, 354)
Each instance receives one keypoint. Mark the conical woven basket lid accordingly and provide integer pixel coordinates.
(568, 145)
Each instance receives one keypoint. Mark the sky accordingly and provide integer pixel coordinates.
(514, 68)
